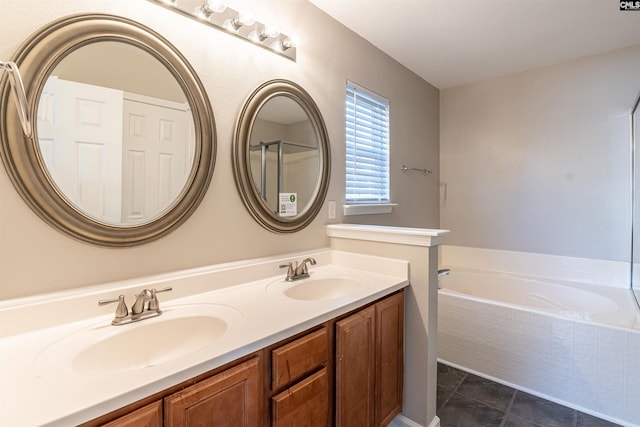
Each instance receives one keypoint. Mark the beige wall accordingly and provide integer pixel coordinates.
(539, 161)
(35, 258)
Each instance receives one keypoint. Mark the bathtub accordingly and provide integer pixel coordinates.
(572, 343)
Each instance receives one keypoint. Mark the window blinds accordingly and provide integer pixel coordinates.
(367, 140)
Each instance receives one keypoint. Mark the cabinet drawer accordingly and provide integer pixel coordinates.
(147, 416)
(299, 358)
(304, 404)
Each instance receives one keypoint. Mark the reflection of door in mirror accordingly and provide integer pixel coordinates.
(120, 158)
(156, 160)
(83, 150)
(118, 142)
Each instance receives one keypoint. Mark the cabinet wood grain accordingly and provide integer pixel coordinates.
(355, 369)
(147, 416)
(299, 358)
(229, 399)
(304, 404)
(389, 358)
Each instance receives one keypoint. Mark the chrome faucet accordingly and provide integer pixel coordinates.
(441, 273)
(444, 272)
(141, 300)
(300, 271)
(145, 306)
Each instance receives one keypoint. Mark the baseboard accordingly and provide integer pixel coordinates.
(401, 421)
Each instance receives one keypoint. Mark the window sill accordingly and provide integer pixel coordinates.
(368, 209)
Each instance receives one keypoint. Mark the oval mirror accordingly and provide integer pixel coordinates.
(123, 146)
(281, 156)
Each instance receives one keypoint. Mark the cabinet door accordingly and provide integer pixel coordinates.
(229, 399)
(389, 358)
(147, 416)
(355, 379)
(304, 404)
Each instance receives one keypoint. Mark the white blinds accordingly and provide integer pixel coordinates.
(367, 139)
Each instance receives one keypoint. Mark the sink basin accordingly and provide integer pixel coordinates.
(317, 288)
(150, 344)
(104, 349)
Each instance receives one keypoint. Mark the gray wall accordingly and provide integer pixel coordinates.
(539, 161)
(35, 258)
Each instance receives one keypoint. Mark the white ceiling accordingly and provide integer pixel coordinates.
(452, 42)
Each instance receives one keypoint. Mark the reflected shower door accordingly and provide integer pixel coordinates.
(635, 230)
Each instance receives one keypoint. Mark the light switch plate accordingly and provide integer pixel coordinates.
(332, 209)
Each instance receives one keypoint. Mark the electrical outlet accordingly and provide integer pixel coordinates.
(332, 209)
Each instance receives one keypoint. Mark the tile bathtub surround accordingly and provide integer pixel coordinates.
(586, 366)
(467, 400)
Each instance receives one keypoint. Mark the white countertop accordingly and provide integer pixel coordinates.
(41, 387)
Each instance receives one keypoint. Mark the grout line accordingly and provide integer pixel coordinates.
(508, 410)
(455, 389)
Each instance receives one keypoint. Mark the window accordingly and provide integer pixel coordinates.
(367, 140)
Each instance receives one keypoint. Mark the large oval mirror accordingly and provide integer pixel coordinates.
(281, 156)
(123, 146)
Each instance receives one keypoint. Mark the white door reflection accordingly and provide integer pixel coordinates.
(121, 158)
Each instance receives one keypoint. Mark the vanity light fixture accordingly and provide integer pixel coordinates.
(217, 14)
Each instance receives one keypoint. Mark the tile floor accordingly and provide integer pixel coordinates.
(466, 400)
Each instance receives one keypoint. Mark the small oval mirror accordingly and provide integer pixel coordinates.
(281, 156)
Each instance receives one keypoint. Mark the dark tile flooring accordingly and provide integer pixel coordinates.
(467, 400)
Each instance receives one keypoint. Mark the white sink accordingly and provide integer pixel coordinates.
(321, 289)
(318, 287)
(105, 349)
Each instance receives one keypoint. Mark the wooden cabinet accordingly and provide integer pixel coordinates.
(389, 358)
(304, 404)
(229, 396)
(345, 372)
(355, 369)
(300, 381)
(299, 358)
(369, 364)
(147, 416)
(229, 399)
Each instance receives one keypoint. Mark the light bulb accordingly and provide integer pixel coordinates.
(243, 19)
(270, 31)
(290, 42)
(209, 8)
(216, 6)
(266, 32)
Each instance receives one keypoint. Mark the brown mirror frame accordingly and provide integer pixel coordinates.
(36, 59)
(241, 162)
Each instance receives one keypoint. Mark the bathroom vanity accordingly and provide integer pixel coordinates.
(257, 351)
(294, 381)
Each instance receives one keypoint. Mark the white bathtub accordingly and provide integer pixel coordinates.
(599, 304)
(572, 343)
